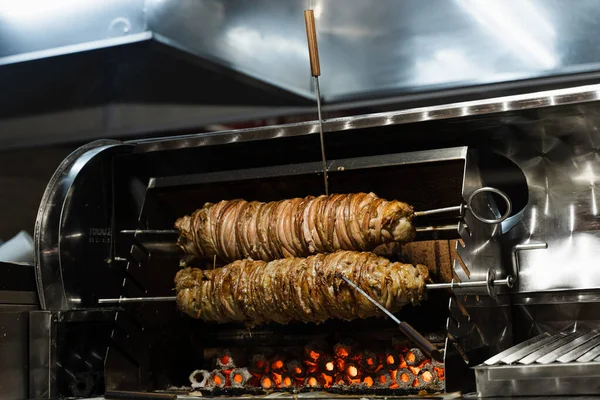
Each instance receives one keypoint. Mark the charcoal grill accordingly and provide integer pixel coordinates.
(104, 231)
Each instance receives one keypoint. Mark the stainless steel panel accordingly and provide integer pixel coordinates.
(548, 348)
(579, 351)
(498, 357)
(574, 95)
(14, 351)
(538, 380)
(386, 47)
(566, 349)
(42, 355)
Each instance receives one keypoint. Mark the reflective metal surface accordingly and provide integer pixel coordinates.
(49, 222)
(544, 365)
(389, 47)
(573, 95)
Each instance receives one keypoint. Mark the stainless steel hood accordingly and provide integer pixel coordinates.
(138, 66)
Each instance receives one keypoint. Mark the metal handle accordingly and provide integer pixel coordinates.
(313, 48)
(490, 190)
(424, 344)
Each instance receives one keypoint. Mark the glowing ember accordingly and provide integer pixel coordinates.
(286, 382)
(352, 371)
(410, 357)
(390, 359)
(225, 360)
(266, 382)
(276, 365)
(238, 378)
(314, 355)
(340, 364)
(342, 352)
(404, 377)
(368, 381)
(427, 376)
(330, 366)
(312, 382)
(277, 379)
(327, 380)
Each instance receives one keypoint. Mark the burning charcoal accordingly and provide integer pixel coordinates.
(339, 379)
(426, 378)
(286, 381)
(405, 378)
(438, 369)
(325, 380)
(218, 379)
(310, 366)
(340, 364)
(343, 350)
(327, 365)
(225, 360)
(258, 364)
(277, 379)
(368, 381)
(239, 377)
(391, 360)
(200, 378)
(312, 381)
(295, 369)
(353, 372)
(314, 350)
(277, 364)
(266, 382)
(370, 361)
(414, 357)
(383, 380)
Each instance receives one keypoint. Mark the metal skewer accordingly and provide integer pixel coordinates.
(424, 344)
(315, 70)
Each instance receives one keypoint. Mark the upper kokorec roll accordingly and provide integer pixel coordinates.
(298, 289)
(237, 229)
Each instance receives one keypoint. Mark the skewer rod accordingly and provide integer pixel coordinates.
(429, 286)
(437, 228)
(444, 210)
(150, 231)
(137, 299)
(474, 284)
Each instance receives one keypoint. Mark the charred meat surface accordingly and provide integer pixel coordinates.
(298, 289)
(237, 229)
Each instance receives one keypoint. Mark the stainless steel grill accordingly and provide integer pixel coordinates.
(565, 362)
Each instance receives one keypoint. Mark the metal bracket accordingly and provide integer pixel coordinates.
(520, 247)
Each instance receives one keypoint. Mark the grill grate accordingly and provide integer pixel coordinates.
(561, 347)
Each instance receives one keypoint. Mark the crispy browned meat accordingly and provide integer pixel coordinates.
(298, 289)
(237, 229)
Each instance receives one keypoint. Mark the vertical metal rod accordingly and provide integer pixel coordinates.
(315, 70)
(325, 177)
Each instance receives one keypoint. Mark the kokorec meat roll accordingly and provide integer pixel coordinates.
(238, 229)
(298, 289)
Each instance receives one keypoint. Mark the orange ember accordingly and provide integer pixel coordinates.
(342, 352)
(415, 383)
(312, 381)
(238, 378)
(329, 366)
(439, 372)
(410, 357)
(217, 380)
(402, 363)
(382, 379)
(352, 371)
(314, 355)
(266, 382)
(298, 371)
(277, 379)
(278, 364)
(368, 381)
(404, 377)
(327, 380)
(390, 359)
(427, 376)
(415, 370)
(370, 361)
(225, 359)
(259, 364)
(287, 382)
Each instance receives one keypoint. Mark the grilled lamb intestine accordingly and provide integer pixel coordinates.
(298, 289)
(237, 229)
